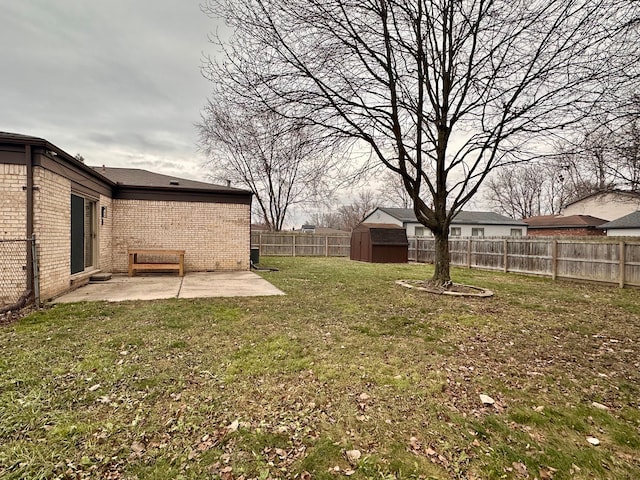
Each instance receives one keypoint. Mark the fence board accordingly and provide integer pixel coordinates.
(598, 260)
(294, 244)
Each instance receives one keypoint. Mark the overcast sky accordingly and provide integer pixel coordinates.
(117, 81)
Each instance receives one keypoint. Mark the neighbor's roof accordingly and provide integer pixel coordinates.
(628, 221)
(624, 193)
(560, 221)
(136, 177)
(406, 215)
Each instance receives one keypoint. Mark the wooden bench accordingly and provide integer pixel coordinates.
(134, 265)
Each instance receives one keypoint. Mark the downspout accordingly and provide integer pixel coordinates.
(29, 161)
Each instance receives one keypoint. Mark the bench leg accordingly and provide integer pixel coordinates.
(181, 273)
(131, 260)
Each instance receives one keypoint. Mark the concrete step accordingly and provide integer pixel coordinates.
(100, 277)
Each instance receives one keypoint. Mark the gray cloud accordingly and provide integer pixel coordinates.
(117, 81)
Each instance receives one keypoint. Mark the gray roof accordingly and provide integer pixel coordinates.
(135, 177)
(406, 215)
(628, 221)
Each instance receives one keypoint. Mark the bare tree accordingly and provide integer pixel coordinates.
(283, 162)
(519, 191)
(347, 216)
(392, 193)
(527, 190)
(626, 148)
(442, 91)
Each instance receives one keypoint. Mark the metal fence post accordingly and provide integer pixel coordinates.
(36, 270)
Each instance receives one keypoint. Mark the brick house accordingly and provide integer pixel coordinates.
(85, 218)
(560, 225)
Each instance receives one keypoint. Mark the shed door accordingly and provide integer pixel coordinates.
(77, 234)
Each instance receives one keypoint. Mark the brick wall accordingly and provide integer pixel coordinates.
(52, 225)
(564, 232)
(215, 235)
(13, 201)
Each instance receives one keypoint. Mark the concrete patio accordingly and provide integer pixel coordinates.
(159, 286)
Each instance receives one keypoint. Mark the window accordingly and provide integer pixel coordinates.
(456, 231)
(477, 232)
(516, 232)
(420, 232)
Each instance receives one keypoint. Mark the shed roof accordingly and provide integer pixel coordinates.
(407, 215)
(560, 221)
(631, 220)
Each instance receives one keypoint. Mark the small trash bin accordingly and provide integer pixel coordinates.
(255, 255)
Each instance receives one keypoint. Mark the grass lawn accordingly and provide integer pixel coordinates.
(293, 386)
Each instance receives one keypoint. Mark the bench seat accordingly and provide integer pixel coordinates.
(135, 265)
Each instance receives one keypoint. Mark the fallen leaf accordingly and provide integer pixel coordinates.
(137, 447)
(353, 456)
(233, 426)
(93, 388)
(364, 397)
(599, 406)
(593, 441)
(486, 399)
(546, 473)
(521, 469)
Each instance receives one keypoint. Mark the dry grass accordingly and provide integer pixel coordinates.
(283, 387)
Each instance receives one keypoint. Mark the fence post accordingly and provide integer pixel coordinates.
(622, 262)
(293, 244)
(554, 259)
(36, 270)
(326, 246)
(505, 247)
(469, 253)
(260, 243)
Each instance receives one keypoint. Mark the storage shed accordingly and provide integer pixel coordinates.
(379, 243)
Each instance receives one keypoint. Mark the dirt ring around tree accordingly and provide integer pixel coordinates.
(455, 289)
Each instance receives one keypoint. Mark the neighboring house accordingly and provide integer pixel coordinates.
(608, 205)
(627, 226)
(464, 224)
(86, 218)
(308, 228)
(560, 225)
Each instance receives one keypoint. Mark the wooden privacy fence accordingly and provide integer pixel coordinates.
(293, 244)
(610, 260)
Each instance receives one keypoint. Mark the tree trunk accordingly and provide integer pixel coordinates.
(441, 274)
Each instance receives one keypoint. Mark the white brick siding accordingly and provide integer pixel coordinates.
(215, 236)
(52, 226)
(13, 201)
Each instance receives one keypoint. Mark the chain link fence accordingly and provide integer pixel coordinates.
(14, 272)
